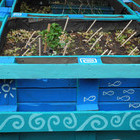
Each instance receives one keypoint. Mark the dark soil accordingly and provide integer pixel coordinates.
(17, 39)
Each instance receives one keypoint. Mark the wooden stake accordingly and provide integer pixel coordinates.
(65, 48)
(94, 34)
(34, 39)
(66, 24)
(91, 26)
(133, 50)
(39, 46)
(96, 42)
(124, 28)
(30, 39)
(26, 51)
(48, 29)
(109, 52)
(104, 52)
(128, 39)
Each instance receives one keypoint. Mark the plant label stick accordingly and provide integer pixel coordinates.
(65, 48)
(94, 34)
(91, 26)
(48, 29)
(39, 46)
(28, 42)
(66, 24)
(96, 42)
(104, 52)
(26, 51)
(128, 39)
(109, 52)
(133, 50)
(124, 28)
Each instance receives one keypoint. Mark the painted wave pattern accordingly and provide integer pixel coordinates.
(71, 122)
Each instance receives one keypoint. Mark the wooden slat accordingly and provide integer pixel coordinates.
(119, 106)
(46, 107)
(66, 71)
(118, 135)
(119, 94)
(45, 83)
(119, 83)
(58, 136)
(44, 95)
(87, 96)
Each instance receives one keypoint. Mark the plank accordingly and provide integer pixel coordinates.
(29, 107)
(48, 136)
(8, 96)
(119, 94)
(119, 106)
(66, 71)
(9, 136)
(118, 135)
(86, 135)
(119, 83)
(6, 59)
(87, 96)
(58, 136)
(46, 95)
(70, 121)
(46, 83)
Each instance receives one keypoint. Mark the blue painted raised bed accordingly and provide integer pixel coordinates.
(118, 11)
(99, 108)
(91, 97)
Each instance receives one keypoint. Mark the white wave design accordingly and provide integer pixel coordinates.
(98, 122)
(15, 124)
(39, 122)
(56, 121)
(117, 121)
(136, 121)
(69, 120)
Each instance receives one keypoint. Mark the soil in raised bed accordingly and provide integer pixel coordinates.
(64, 7)
(73, 43)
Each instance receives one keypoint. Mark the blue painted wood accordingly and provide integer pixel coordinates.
(69, 121)
(119, 83)
(46, 83)
(68, 71)
(118, 135)
(8, 95)
(47, 95)
(35, 71)
(58, 136)
(9, 136)
(36, 107)
(87, 96)
(119, 106)
(119, 94)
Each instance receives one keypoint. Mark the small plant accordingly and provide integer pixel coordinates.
(52, 37)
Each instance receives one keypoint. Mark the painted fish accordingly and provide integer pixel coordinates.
(91, 98)
(130, 91)
(124, 98)
(115, 84)
(109, 93)
(134, 105)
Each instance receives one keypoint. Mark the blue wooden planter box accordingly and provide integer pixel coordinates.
(88, 98)
(112, 14)
(93, 97)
